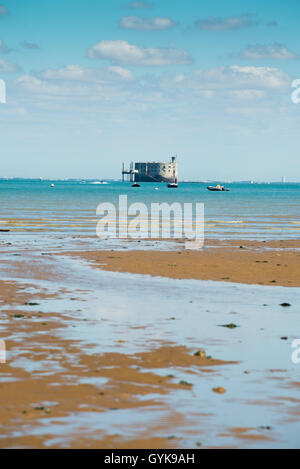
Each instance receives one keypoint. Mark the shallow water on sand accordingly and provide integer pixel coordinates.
(129, 313)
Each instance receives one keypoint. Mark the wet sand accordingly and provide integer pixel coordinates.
(250, 262)
(57, 390)
(52, 386)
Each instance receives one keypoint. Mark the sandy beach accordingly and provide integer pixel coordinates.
(249, 262)
(83, 373)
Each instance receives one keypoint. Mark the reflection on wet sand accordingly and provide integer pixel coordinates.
(92, 362)
(48, 381)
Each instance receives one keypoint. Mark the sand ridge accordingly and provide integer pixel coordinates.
(250, 262)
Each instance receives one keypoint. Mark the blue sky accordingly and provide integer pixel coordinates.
(93, 83)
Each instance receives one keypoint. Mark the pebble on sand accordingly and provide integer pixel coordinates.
(219, 390)
(229, 326)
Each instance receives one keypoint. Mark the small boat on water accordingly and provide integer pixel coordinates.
(135, 184)
(173, 185)
(218, 188)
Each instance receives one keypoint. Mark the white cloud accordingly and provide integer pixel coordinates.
(76, 84)
(223, 84)
(272, 51)
(70, 72)
(223, 24)
(248, 94)
(122, 72)
(35, 85)
(146, 24)
(77, 73)
(8, 67)
(139, 5)
(237, 77)
(124, 53)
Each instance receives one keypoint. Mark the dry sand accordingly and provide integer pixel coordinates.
(250, 262)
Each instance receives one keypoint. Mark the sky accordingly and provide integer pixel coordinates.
(93, 83)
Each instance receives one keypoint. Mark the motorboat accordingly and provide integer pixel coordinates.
(173, 185)
(218, 188)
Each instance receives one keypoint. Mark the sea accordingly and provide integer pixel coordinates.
(247, 211)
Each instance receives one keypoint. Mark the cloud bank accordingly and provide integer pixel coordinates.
(128, 54)
(224, 24)
(118, 85)
(236, 78)
(272, 51)
(82, 74)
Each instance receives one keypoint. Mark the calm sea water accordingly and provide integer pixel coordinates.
(249, 211)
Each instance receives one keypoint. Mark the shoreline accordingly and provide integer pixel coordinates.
(273, 263)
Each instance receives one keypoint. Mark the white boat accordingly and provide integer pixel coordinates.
(173, 185)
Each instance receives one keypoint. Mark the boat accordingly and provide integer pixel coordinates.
(218, 188)
(173, 185)
(136, 185)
